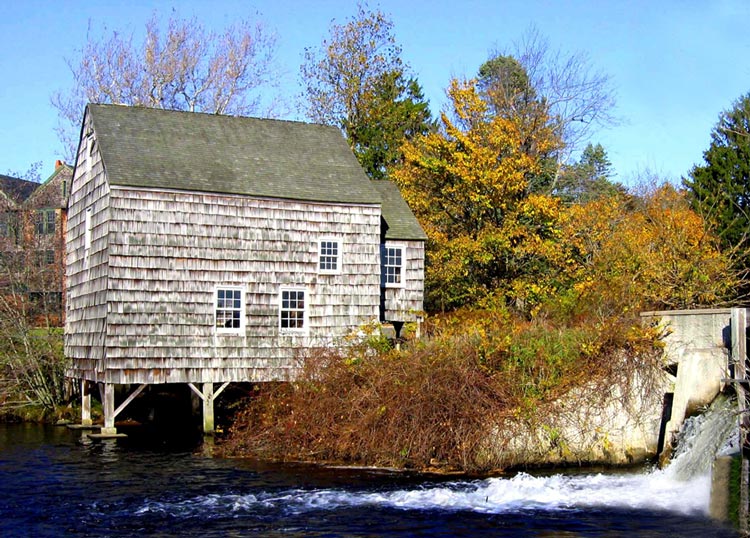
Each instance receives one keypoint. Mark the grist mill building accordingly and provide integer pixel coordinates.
(205, 249)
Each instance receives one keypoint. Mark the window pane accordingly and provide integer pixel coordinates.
(392, 263)
(292, 312)
(229, 308)
(329, 251)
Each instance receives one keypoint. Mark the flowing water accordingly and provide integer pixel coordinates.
(55, 483)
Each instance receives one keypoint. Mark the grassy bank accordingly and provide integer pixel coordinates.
(32, 376)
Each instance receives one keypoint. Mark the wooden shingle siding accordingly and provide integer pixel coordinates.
(87, 277)
(406, 303)
(160, 219)
(171, 250)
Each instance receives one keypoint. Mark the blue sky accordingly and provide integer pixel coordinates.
(675, 65)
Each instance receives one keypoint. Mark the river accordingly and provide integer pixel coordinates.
(54, 482)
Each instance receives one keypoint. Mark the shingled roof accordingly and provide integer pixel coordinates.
(15, 189)
(401, 222)
(153, 148)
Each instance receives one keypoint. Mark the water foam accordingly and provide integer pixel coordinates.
(653, 491)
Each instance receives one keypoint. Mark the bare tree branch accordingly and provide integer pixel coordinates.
(180, 67)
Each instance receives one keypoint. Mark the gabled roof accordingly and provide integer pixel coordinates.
(401, 222)
(15, 189)
(153, 148)
(50, 192)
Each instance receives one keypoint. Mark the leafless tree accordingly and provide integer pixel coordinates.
(32, 365)
(577, 99)
(180, 67)
(340, 76)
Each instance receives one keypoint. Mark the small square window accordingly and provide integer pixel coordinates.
(230, 309)
(393, 266)
(292, 314)
(329, 260)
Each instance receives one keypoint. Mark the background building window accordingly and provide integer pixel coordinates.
(8, 225)
(292, 312)
(45, 221)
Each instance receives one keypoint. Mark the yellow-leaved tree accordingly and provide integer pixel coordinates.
(648, 252)
(468, 185)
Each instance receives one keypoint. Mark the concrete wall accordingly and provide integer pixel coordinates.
(618, 426)
(621, 425)
(697, 344)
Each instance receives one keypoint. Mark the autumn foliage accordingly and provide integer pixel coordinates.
(436, 404)
(468, 186)
(535, 300)
(493, 239)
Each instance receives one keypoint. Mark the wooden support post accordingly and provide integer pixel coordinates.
(208, 408)
(108, 404)
(208, 396)
(85, 403)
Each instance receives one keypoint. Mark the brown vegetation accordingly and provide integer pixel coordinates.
(436, 403)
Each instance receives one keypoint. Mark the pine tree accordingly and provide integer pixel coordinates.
(720, 189)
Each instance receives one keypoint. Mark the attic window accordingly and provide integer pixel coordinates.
(393, 262)
(329, 260)
(230, 309)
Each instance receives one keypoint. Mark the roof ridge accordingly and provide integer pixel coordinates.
(211, 114)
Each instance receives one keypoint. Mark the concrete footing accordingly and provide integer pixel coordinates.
(106, 435)
(82, 426)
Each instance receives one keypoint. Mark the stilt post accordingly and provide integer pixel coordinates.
(85, 403)
(108, 403)
(207, 395)
(208, 408)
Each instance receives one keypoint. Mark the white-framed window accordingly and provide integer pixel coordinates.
(293, 310)
(329, 256)
(392, 258)
(230, 309)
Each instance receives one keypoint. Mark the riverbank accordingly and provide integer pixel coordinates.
(39, 414)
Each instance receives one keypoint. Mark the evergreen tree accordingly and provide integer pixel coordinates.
(589, 178)
(720, 189)
(394, 111)
(504, 84)
(357, 81)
